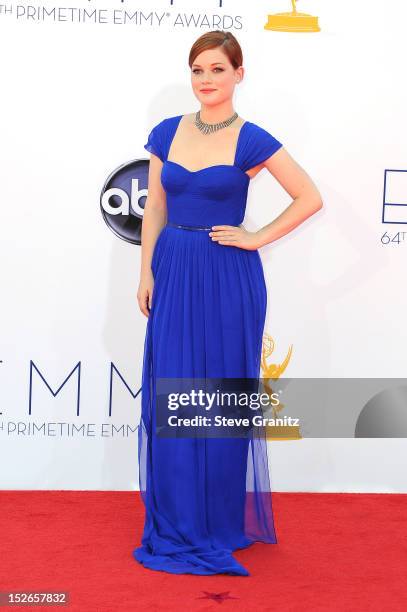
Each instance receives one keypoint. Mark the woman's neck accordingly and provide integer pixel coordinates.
(216, 114)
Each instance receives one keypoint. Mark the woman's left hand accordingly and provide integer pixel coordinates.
(233, 235)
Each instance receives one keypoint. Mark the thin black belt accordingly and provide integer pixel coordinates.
(189, 227)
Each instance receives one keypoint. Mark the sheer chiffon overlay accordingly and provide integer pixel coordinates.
(204, 497)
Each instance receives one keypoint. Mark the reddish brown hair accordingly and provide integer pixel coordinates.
(218, 38)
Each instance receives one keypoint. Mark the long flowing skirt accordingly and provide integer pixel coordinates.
(203, 497)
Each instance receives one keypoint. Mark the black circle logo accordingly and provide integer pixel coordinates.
(123, 198)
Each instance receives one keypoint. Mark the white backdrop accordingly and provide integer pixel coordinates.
(78, 100)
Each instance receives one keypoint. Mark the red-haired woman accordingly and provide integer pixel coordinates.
(202, 288)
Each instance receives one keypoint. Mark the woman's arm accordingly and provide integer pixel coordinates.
(154, 219)
(306, 197)
(306, 201)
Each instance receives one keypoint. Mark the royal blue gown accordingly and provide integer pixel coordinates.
(203, 498)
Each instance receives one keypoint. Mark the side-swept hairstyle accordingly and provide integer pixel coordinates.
(218, 38)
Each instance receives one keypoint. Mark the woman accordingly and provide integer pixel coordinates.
(202, 288)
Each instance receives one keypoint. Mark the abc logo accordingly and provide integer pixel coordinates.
(123, 198)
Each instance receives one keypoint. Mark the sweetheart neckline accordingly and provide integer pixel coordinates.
(178, 119)
(169, 161)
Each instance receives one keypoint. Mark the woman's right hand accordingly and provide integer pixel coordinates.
(145, 293)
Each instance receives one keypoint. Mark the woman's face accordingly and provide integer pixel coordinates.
(212, 71)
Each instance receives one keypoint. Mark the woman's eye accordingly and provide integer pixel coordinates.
(196, 70)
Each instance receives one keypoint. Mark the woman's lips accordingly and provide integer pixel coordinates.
(207, 90)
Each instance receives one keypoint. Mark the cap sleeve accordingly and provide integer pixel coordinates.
(156, 141)
(258, 146)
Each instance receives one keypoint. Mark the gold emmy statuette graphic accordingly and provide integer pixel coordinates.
(273, 372)
(292, 22)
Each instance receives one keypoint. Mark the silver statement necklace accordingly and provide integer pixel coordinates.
(208, 128)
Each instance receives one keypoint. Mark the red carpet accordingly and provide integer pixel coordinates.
(344, 551)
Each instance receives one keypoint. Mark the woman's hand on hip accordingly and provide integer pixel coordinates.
(234, 235)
